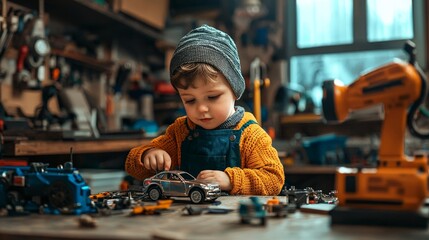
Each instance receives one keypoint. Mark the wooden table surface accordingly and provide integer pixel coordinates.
(175, 225)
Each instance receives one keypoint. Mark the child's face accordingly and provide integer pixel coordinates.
(208, 105)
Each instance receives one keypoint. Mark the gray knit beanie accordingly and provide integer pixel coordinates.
(209, 45)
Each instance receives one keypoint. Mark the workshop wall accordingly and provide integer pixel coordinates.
(86, 52)
(90, 51)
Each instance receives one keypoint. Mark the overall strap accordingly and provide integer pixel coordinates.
(186, 123)
(241, 129)
(248, 123)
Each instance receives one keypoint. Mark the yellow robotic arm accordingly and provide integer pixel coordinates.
(399, 182)
(396, 86)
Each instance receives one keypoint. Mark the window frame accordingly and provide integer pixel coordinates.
(360, 42)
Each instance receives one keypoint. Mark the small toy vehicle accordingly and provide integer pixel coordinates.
(39, 188)
(277, 208)
(180, 184)
(252, 209)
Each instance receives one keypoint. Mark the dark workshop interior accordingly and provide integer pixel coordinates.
(339, 86)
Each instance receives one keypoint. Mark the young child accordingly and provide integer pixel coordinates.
(216, 141)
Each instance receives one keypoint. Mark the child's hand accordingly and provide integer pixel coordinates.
(157, 159)
(216, 176)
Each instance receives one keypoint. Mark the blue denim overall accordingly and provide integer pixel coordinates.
(211, 149)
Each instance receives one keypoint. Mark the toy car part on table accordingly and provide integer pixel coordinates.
(308, 195)
(197, 210)
(152, 209)
(114, 200)
(276, 207)
(86, 221)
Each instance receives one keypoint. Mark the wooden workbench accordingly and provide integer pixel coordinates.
(174, 225)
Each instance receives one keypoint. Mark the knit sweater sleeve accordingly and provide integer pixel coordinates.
(169, 142)
(262, 172)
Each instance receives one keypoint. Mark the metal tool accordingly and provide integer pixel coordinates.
(33, 48)
(258, 70)
(9, 25)
(22, 76)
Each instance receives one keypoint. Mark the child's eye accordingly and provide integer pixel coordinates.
(190, 101)
(214, 97)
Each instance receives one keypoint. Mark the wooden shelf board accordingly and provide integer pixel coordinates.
(86, 60)
(90, 15)
(45, 147)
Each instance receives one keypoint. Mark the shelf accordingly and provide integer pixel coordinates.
(311, 169)
(301, 118)
(20, 148)
(313, 125)
(94, 17)
(104, 66)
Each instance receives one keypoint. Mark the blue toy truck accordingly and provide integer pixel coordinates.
(37, 188)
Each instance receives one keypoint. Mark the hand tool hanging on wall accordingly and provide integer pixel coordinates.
(4, 25)
(21, 76)
(33, 48)
(121, 77)
(9, 25)
(258, 70)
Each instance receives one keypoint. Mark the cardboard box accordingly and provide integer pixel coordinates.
(154, 13)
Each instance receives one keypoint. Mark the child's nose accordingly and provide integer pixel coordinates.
(203, 108)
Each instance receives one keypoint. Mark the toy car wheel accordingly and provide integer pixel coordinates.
(13, 199)
(244, 221)
(154, 193)
(263, 222)
(197, 196)
(4, 182)
(60, 196)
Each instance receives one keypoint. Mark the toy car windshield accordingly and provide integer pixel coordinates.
(187, 176)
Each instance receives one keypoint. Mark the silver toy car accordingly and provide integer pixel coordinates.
(180, 184)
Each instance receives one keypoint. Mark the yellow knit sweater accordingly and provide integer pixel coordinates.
(261, 172)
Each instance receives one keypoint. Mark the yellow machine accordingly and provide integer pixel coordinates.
(257, 71)
(400, 182)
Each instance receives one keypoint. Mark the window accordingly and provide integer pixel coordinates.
(174, 177)
(331, 39)
(324, 22)
(389, 20)
(187, 176)
(159, 176)
(165, 176)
